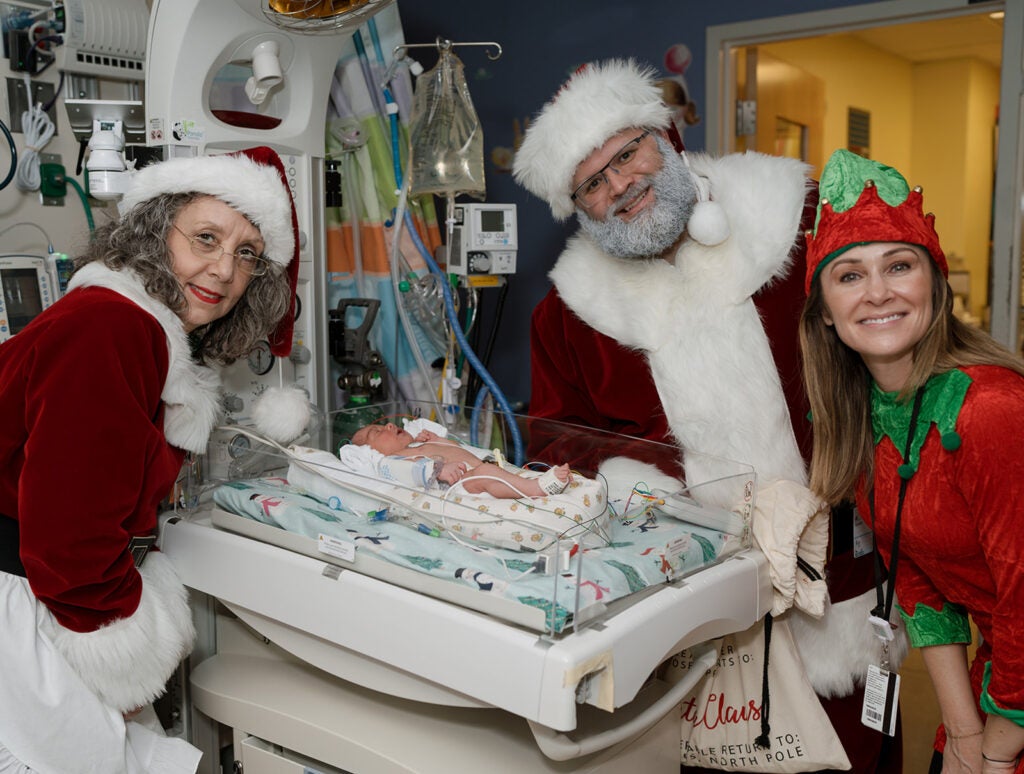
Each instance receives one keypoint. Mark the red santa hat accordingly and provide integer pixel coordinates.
(865, 201)
(600, 100)
(251, 180)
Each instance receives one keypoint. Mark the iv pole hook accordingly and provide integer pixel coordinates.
(444, 45)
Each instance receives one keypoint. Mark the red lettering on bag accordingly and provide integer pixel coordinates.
(717, 711)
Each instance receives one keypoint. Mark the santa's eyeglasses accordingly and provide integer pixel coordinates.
(595, 188)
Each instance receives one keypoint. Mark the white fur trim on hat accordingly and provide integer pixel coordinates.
(254, 189)
(599, 101)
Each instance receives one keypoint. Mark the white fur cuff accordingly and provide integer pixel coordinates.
(127, 663)
(838, 648)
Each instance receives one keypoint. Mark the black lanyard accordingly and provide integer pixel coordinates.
(884, 606)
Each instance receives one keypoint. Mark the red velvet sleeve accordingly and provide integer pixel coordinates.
(582, 377)
(94, 434)
(779, 305)
(991, 475)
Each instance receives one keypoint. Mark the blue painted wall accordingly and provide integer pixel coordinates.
(542, 44)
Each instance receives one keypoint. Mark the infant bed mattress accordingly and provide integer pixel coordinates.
(633, 555)
(521, 524)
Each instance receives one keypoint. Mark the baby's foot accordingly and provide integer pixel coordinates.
(555, 479)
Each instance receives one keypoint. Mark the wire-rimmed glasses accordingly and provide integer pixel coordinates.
(595, 188)
(206, 246)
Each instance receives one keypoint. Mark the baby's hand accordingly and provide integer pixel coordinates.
(426, 435)
(452, 472)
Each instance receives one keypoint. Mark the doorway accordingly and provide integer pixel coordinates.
(929, 87)
(782, 107)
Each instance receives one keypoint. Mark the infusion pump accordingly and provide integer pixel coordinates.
(484, 239)
(27, 287)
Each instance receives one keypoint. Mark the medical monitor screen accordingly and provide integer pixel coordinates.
(492, 220)
(21, 296)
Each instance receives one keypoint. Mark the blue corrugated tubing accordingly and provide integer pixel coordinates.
(453, 316)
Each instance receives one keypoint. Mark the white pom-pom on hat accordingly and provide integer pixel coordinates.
(282, 413)
(707, 224)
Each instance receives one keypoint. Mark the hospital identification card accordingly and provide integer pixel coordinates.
(881, 697)
(332, 546)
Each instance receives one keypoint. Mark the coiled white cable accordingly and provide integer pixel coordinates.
(38, 130)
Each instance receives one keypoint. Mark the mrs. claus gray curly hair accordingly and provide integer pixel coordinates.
(138, 242)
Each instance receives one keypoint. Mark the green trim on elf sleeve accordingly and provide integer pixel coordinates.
(989, 706)
(928, 626)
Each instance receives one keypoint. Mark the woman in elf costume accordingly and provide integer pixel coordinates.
(101, 396)
(921, 418)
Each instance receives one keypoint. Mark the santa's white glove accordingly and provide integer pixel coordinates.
(790, 526)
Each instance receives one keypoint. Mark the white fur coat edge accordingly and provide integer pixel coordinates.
(191, 391)
(127, 662)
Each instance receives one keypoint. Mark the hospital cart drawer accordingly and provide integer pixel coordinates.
(260, 757)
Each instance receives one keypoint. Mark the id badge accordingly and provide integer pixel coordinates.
(881, 699)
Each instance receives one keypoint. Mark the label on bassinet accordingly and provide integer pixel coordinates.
(339, 549)
(673, 555)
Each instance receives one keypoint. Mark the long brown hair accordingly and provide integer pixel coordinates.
(839, 384)
(138, 242)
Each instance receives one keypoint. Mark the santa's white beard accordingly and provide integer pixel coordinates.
(653, 232)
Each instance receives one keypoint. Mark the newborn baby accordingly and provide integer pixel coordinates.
(460, 465)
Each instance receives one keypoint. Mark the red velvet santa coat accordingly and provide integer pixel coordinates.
(582, 373)
(961, 533)
(94, 396)
(581, 376)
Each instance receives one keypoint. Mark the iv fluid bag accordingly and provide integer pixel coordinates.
(447, 155)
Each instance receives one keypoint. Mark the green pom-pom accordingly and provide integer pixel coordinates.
(906, 470)
(951, 441)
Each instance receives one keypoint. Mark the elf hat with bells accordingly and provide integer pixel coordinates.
(863, 201)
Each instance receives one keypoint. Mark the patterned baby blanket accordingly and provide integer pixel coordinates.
(644, 549)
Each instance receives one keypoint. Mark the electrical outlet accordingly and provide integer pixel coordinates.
(22, 56)
(53, 184)
(17, 49)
